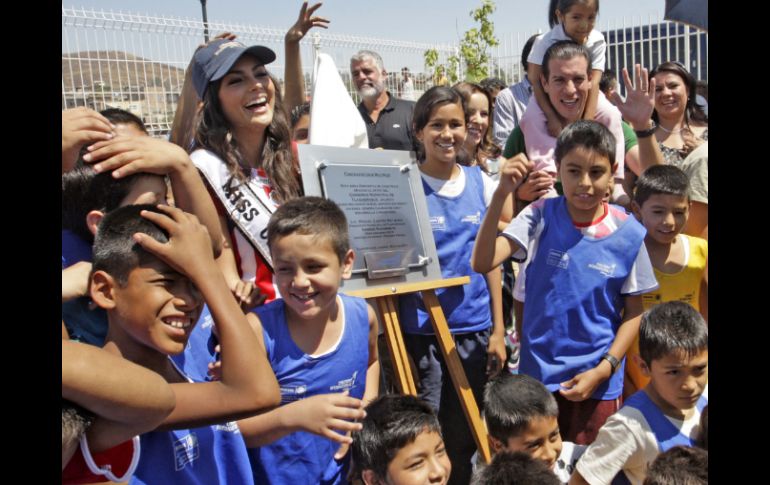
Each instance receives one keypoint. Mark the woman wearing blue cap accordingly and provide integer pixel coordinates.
(243, 150)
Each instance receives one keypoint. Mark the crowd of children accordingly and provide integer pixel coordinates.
(205, 340)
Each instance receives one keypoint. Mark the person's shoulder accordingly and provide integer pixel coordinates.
(595, 38)
(271, 314)
(203, 157)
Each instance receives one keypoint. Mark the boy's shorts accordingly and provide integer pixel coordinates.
(579, 422)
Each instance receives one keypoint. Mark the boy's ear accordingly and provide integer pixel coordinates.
(495, 445)
(103, 290)
(347, 264)
(369, 477)
(93, 218)
(637, 209)
(544, 82)
(642, 365)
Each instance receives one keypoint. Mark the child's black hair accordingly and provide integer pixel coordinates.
(608, 80)
(115, 251)
(525, 52)
(679, 465)
(588, 134)
(75, 420)
(121, 116)
(298, 112)
(671, 327)
(661, 179)
(84, 190)
(392, 421)
(512, 401)
(563, 6)
(515, 468)
(314, 216)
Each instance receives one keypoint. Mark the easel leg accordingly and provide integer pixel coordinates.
(389, 318)
(468, 402)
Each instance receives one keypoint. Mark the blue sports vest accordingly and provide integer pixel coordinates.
(573, 299)
(666, 433)
(301, 457)
(206, 455)
(199, 351)
(455, 222)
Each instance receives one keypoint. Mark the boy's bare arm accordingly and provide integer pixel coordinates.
(490, 250)
(74, 281)
(129, 155)
(248, 384)
(554, 122)
(580, 387)
(126, 398)
(496, 351)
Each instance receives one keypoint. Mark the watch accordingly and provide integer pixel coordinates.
(645, 134)
(614, 363)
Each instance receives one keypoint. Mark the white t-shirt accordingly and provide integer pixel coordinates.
(568, 458)
(596, 46)
(455, 186)
(627, 443)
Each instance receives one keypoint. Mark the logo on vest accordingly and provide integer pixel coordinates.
(473, 218)
(605, 269)
(229, 427)
(396, 125)
(186, 451)
(560, 259)
(292, 393)
(438, 223)
(345, 384)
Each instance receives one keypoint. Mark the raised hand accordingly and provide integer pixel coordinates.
(513, 172)
(79, 127)
(305, 22)
(136, 154)
(640, 98)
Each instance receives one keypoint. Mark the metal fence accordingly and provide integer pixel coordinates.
(137, 62)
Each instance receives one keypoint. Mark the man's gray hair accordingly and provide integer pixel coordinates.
(361, 55)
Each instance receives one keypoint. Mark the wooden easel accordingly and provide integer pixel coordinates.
(388, 315)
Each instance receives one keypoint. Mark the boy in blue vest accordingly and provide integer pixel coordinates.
(673, 345)
(587, 266)
(153, 268)
(321, 345)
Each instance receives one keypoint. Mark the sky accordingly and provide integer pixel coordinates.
(410, 20)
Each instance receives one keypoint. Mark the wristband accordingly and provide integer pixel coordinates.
(614, 363)
(646, 133)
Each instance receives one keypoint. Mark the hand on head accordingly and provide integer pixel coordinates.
(79, 127)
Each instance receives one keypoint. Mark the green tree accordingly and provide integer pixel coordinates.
(473, 48)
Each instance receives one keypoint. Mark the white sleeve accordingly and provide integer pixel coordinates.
(489, 188)
(523, 228)
(619, 445)
(598, 48)
(503, 124)
(641, 278)
(538, 50)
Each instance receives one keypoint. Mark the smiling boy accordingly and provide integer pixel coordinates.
(321, 345)
(590, 266)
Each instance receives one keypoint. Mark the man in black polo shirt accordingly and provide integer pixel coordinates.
(388, 119)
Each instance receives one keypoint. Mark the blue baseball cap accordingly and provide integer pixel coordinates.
(212, 62)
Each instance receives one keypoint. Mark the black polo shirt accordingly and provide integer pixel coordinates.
(393, 129)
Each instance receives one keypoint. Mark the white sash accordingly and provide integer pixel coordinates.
(247, 203)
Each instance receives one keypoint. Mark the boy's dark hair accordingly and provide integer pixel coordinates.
(661, 179)
(75, 420)
(512, 401)
(298, 112)
(121, 116)
(314, 216)
(608, 79)
(590, 135)
(115, 251)
(515, 468)
(392, 421)
(565, 50)
(680, 465)
(670, 327)
(83, 190)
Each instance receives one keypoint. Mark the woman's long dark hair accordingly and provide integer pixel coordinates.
(213, 133)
